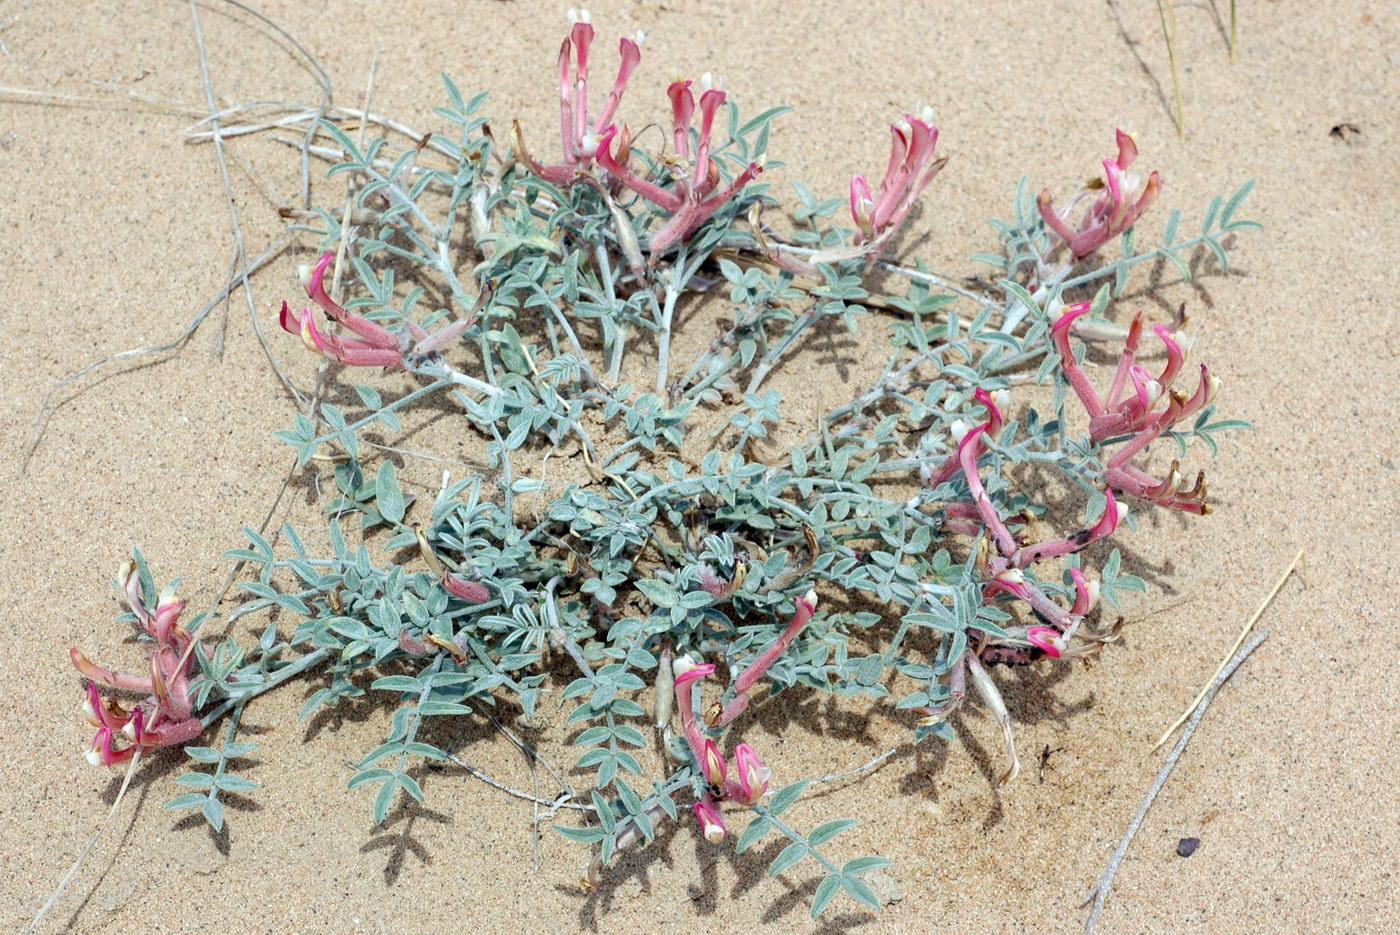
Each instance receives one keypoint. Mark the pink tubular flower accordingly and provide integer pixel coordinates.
(712, 765)
(578, 141)
(472, 591)
(166, 716)
(1131, 408)
(1086, 593)
(695, 198)
(719, 716)
(711, 821)
(1114, 513)
(1010, 581)
(375, 345)
(1115, 208)
(911, 168)
(687, 673)
(1048, 639)
(751, 779)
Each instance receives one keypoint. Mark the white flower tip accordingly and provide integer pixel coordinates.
(1093, 588)
(1003, 400)
(129, 729)
(1123, 512)
(683, 664)
(641, 37)
(924, 112)
(577, 16)
(1013, 575)
(90, 714)
(902, 125)
(762, 161)
(811, 597)
(167, 596)
(1183, 339)
(958, 430)
(707, 81)
(93, 757)
(304, 274)
(1154, 390)
(1212, 386)
(589, 144)
(714, 833)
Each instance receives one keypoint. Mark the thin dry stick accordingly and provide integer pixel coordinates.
(1234, 35)
(345, 226)
(233, 206)
(563, 800)
(327, 92)
(87, 848)
(863, 768)
(1100, 890)
(1249, 624)
(1166, 11)
(532, 755)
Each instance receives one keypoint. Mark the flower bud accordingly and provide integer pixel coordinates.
(712, 765)
(711, 822)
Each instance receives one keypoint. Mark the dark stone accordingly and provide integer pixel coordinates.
(1187, 846)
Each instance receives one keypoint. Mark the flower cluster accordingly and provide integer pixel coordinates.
(749, 780)
(1120, 198)
(578, 141)
(697, 194)
(879, 214)
(1133, 408)
(166, 716)
(1141, 406)
(375, 346)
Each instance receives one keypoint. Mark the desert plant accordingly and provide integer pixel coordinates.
(692, 568)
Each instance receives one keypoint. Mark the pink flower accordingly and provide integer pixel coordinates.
(166, 716)
(472, 591)
(752, 777)
(1114, 514)
(578, 141)
(1086, 593)
(688, 670)
(712, 765)
(1116, 207)
(1011, 581)
(1131, 408)
(912, 166)
(1048, 639)
(711, 822)
(375, 346)
(697, 195)
(718, 716)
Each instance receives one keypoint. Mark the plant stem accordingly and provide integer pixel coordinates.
(673, 292)
(785, 829)
(1166, 11)
(309, 661)
(770, 360)
(1234, 35)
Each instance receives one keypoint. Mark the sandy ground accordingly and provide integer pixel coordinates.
(115, 233)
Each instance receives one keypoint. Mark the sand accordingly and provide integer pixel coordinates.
(115, 232)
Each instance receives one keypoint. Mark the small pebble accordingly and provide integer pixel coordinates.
(1187, 846)
(885, 887)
